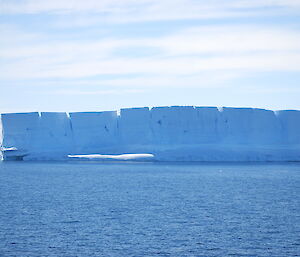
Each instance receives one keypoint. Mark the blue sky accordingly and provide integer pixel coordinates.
(94, 55)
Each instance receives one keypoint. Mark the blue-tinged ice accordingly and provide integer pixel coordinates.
(133, 126)
(93, 130)
(176, 133)
(289, 127)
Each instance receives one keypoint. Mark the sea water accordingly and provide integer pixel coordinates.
(149, 209)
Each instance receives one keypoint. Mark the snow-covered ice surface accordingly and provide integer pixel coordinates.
(177, 133)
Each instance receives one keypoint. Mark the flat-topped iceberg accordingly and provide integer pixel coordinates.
(176, 133)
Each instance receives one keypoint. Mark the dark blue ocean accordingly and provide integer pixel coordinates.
(149, 209)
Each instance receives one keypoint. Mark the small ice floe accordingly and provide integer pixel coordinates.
(8, 149)
(120, 157)
(12, 154)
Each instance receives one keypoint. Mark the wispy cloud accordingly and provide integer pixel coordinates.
(228, 39)
(114, 47)
(95, 92)
(143, 9)
(187, 52)
(168, 66)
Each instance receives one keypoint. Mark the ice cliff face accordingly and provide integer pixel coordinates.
(183, 133)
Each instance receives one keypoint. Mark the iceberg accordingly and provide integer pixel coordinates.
(12, 153)
(168, 133)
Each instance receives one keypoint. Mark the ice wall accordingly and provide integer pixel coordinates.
(171, 133)
(94, 130)
(174, 125)
(207, 125)
(1, 139)
(134, 126)
(20, 130)
(248, 126)
(55, 132)
(289, 126)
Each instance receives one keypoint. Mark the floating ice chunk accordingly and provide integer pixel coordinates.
(8, 148)
(121, 157)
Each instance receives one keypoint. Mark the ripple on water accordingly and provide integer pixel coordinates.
(67, 209)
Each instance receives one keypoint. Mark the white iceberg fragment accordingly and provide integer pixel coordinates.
(120, 157)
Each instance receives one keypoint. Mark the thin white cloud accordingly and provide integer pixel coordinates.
(190, 51)
(61, 50)
(11, 35)
(200, 80)
(167, 66)
(228, 39)
(143, 9)
(95, 92)
(55, 57)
